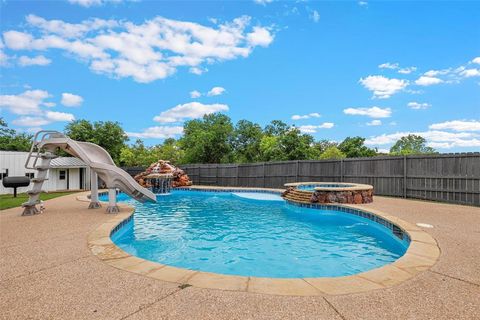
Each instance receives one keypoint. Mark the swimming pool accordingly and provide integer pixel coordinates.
(222, 233)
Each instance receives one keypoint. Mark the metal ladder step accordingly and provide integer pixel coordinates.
(34, 192)
(48, 155)
(31, 204)
(42, 167)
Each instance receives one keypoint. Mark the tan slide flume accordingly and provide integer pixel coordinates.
(97, 158)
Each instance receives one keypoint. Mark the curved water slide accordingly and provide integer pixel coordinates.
(98, 159)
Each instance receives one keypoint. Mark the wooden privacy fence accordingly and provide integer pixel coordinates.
(453, 178)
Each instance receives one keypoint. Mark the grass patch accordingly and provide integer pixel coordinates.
(7, 201)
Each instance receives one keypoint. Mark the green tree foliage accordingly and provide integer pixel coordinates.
(276, 128)
(270, 149)
(107, 134)
(170, 150)
(353, 147)
(11, 140)
(286, 143)
(247, 137)
(137, 155)
(295, 145)
(411, 144)
(140, 155)
(208, 140)
(332, 153)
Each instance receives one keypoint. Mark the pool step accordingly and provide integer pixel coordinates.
(298, 196)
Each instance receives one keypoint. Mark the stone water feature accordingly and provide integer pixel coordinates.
(161, 176)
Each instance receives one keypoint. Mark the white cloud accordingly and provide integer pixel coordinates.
(315, 16)
(476, 60)
(90, 3)
(457, 125)
(198, 71)
(314, 128)
(435, 73)
(363, 3)
(47, 118)
(158, 132)
(27, 121)
(306, 116)
(17, 40)
(259, 37)
(216, 91)
(25, 103)
(69, 30)
(152, 50)
(35, 61)
(389, 65)
(195, 94)
(71, 100)
(428, 81)
(373, 112)
(383, 87)
(407, 70)
(190, 110)
(263, 2)
(374, 123)
(417, 105)
(396, 66)
(467, 73)
(435, 138)
(59, 116)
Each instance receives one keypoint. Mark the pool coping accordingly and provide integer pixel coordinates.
(422, 253)
(353, 187)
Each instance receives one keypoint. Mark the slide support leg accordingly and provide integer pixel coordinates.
(94, 203)
(112, 201)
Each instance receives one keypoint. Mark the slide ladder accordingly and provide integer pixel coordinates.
(44, 145)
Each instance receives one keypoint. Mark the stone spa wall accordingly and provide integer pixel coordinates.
(354, 197)
(329, 193)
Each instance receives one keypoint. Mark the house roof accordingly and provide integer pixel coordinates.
(67, 162)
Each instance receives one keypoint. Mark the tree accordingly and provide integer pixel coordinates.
(208, 140)
(353, 147)
(411, 144)
(11, 140)
(170, 150)
(323, 145)
(108, 134)
(332, 153)
(289, 145)
(247, 137)
(276, 128)
(295, 145)
(270, 149)
(80, 130)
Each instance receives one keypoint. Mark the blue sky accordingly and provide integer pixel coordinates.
(334, 69)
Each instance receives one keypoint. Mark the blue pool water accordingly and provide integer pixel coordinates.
(311, 187)
(223, 233)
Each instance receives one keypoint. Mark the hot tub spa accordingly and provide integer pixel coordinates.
(328, 192)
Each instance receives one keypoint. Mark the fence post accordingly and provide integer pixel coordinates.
(404, 176)
(264, 174)
(216, 174)
(341, 170)
(296, 175)
(236, 177)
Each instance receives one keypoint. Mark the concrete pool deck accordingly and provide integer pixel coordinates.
(47, 270)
